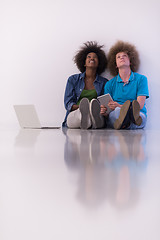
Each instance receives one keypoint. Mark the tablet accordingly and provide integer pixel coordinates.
(104, 100)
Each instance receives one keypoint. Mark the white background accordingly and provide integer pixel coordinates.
(38, 39)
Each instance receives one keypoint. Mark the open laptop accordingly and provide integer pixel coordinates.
(28, 118)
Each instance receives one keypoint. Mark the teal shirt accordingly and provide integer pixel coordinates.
(120, 92)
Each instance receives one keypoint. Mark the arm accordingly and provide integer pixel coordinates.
(111, 105)
(142, 92)
(141, 101)
(70, 95)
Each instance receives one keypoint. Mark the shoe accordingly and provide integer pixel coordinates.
(134, 113)
(96, 118)
(123, 121)
(85, 115)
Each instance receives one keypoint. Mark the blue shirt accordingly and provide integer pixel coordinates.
(120, 92)
(74, 88)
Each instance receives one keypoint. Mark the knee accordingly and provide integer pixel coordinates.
(74, 119)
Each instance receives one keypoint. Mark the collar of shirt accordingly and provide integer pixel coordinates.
(119, 79)
(83, 76)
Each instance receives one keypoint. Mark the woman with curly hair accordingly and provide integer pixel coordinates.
(82, 89)
(128, 89)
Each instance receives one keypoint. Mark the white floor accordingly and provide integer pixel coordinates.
(79, 184)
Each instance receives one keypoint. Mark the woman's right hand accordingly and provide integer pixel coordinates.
(74, 107)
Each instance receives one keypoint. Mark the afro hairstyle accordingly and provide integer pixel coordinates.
(91, 46)
(131, 51)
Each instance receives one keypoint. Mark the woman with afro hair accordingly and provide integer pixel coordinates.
(83, 111)
(128, 89)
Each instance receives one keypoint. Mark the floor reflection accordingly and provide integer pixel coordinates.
(109, 164)
(27, 137)
(25, 143)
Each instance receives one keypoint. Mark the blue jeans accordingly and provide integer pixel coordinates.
(115, 114)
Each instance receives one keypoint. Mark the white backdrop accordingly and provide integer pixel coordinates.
(40, 37)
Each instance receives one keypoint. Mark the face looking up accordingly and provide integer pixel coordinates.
(122, 60)
(91, 60)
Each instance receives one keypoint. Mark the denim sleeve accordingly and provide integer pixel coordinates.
(70, 95)
(105, 80)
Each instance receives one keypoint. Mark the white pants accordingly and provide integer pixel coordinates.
(74, 119)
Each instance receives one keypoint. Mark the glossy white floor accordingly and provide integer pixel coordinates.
(79, 184)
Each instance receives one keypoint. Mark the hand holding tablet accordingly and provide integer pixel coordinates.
(104, 100)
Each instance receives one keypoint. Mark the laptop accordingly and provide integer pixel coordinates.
(28, 118)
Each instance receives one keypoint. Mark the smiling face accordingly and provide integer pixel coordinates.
(91, 60)
(122, 60)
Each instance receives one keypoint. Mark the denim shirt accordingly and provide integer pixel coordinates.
(74, 88)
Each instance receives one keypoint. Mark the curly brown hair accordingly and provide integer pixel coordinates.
(91, 46)
(131, 51)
